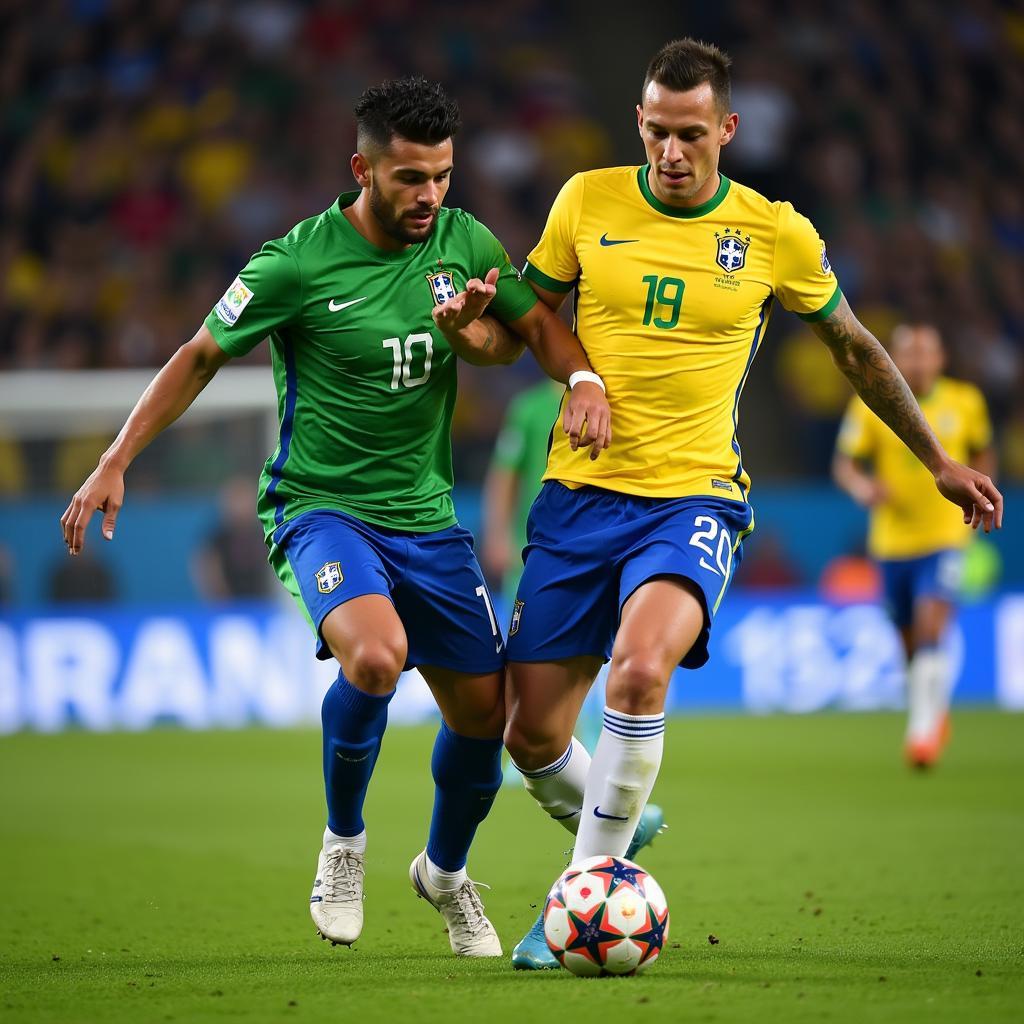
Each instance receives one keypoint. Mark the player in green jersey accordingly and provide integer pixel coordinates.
(513, 480)
(366, 306)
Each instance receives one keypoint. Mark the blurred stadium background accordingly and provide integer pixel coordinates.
(148, 148)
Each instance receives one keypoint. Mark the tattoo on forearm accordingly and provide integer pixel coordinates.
(875, 378)
(488, 340)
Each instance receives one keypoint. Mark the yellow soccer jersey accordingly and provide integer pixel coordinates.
(915, 519)
(671, 307)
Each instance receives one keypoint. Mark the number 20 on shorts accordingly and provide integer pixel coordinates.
(708, 530)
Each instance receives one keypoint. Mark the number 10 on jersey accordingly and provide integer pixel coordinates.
(403, 375)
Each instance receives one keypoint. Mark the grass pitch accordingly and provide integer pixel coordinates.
(164, 877)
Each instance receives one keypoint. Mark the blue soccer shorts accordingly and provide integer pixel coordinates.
(905, 581)
(589, 549)
(325, 558)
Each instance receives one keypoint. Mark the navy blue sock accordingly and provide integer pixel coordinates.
(353, 723)
(467, 777)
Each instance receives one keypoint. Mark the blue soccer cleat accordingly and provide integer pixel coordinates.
(651, 824)
(531, 952)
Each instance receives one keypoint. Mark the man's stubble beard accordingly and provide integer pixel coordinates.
(391, 223)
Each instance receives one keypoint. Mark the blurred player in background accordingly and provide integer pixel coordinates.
(364, 311)
(675, 270)
(916, 537)
(513, 480)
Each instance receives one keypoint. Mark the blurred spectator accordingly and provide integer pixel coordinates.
(232, 563)
(146, 150)
(84, 579)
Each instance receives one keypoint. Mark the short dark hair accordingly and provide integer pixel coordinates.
(684, 64)
(412, 108)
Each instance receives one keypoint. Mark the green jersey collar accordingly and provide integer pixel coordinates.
(363, 244)
(681, 211)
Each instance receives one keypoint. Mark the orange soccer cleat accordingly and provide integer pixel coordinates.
(922, 753)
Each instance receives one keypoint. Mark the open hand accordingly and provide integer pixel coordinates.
(468, 305)
(102, 492)
(977, 496)
(588, 419)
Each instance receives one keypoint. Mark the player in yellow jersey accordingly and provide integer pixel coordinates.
(915, 536)
(675, 270)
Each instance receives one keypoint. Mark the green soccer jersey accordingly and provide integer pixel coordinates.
(365, 381)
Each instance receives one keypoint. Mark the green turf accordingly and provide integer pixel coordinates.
(164, 876)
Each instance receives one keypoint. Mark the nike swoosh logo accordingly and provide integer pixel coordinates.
(608, 817)
(334, 307)
(497, 648)
(605, 240)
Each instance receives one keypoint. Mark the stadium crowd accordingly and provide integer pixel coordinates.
(148, 149)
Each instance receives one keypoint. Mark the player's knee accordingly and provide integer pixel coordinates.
(374, 664)
(530, 746)
(482, 717)
(637, 684)
(929, 627)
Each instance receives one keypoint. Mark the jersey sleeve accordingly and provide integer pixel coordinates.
(803, 282)
(856, 434)
(510, 448)
(979, 426)
(513, 296)
(265, 296)
(553, 264)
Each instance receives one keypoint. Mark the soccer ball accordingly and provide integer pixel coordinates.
(606, 915)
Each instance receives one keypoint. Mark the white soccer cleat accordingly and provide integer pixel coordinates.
(469, 931)
(336, 903)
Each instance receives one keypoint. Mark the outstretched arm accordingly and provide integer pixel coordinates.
(169, 394)
(875, 378)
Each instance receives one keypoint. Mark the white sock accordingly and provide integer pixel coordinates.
(926, 676)
(621, 777)
(941, 683)
(558, 787)
(357, 843)
(447, 880)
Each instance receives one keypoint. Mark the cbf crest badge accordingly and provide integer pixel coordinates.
(732, 250)
(442, 286)
(329, 577)
(517, 614)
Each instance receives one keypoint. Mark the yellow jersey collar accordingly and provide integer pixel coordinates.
(681, 211)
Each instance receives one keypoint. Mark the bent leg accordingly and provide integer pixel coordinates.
(544, 701)
(661, 621)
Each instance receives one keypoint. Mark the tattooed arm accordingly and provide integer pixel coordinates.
(478, 339)
(875, 378)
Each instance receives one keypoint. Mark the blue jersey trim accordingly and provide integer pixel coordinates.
(754, 345)
(287, 421)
